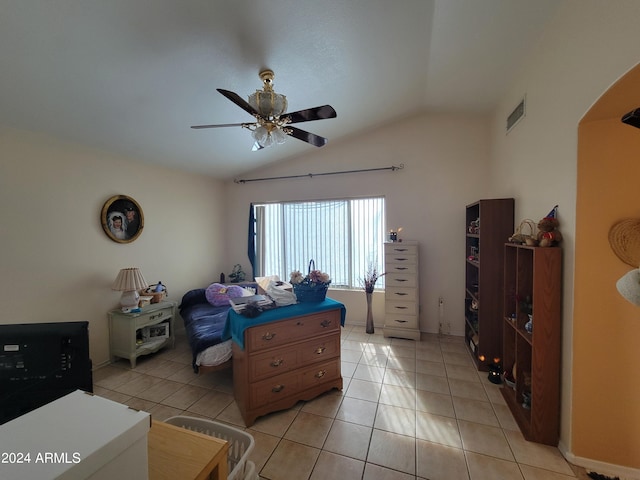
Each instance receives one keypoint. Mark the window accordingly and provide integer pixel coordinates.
(342, 237)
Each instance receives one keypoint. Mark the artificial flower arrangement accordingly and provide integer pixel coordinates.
(310, 287)
(313, 278)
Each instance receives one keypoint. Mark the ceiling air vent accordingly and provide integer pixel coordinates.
(515, 116)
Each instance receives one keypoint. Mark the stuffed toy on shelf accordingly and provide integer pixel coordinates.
(548, 234)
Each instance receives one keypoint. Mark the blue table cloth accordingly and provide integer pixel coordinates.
(236, 324)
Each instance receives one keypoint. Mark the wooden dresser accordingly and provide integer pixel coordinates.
(285, 361)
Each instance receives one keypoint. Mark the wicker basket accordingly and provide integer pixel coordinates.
(624, 238)
(525, 233)
(310, 292)
(157, 297)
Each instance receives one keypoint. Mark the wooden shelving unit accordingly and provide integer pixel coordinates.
(484, 276)
(536, 273)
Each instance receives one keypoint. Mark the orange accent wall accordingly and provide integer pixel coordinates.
(606, 340)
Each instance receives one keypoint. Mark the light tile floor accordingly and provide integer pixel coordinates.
(408, 410)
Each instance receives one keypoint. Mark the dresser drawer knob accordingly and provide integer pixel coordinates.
(325, 323)
(300, 324)
(268, 336)
(277, 362)
(320, 350)
(321, 374)
(277, 388)
(157, 315)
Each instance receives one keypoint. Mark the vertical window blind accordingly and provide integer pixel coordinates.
(343, 237)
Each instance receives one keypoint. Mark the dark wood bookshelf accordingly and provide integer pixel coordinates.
(535, 272)
(484, 277)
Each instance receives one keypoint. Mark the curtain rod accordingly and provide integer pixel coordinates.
(393, 168)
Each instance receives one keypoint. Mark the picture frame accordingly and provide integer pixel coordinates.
(122, 219)
(155, 332)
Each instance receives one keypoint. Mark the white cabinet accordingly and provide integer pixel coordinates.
(402, 307)
(78, 436)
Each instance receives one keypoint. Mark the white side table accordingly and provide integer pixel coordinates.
(134, 334)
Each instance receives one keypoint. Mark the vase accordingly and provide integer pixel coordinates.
(370, 328)
(529, 325)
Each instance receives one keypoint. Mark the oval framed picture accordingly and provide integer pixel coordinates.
(122, 219)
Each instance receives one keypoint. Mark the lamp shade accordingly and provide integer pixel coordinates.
(129, 279)
(629, 286)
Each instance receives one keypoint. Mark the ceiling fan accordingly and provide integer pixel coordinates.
(272, 124)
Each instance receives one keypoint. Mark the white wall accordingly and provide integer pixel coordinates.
(588, 45)
(57, 263)
(444, 157)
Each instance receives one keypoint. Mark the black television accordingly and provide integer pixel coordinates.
(41, 362)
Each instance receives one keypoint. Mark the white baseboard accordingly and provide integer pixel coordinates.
(603, 468)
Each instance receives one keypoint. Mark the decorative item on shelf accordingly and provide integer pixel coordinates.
(371, 276)
(529, 325)
(157, 292)
(509, 378)
(495, 371)
(526, 307)
(129, 281)
(474, 227)
(394, 235)
(474, 305)
(312, 287)
(237, 275)
(524, 234)
(548, 233)
(474, 254)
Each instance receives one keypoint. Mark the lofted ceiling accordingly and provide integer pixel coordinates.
(131, 76)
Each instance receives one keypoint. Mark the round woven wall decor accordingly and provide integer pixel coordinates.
(624, 238)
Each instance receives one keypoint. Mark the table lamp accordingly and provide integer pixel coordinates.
(129, 281)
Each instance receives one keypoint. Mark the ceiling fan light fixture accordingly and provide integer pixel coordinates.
(260, 135)
(269, 134)
(268, 104)
(279, 136)
(271, 125)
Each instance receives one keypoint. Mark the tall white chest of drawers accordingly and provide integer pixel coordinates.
(402, 306)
